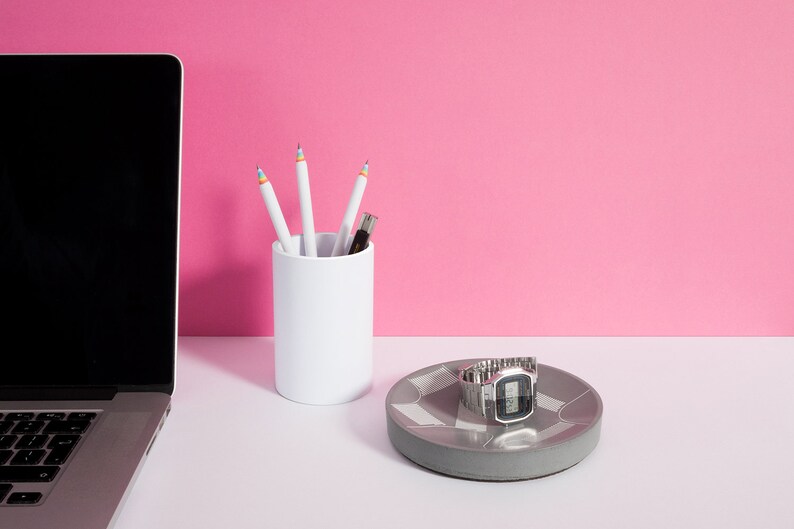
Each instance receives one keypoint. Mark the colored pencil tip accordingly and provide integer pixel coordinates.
(261, 174)
(299, 157)
(364, 170)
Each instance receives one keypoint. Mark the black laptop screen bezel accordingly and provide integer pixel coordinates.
(165, 84)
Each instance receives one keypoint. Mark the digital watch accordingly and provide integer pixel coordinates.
(500, 389)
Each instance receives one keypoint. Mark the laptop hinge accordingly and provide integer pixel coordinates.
(57, 393)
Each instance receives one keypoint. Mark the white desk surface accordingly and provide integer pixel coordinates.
(697, 432)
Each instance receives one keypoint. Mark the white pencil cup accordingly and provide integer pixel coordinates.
(322, 309)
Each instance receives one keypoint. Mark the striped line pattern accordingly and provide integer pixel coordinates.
(434, 381)
(552, 430)
(418, 414)
(549, 403)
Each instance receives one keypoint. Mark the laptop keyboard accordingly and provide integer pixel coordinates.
(34, 448)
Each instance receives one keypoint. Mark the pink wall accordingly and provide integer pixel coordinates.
(563, 168)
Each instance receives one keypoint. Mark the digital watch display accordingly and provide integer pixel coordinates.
(500, 389)
(514, 397)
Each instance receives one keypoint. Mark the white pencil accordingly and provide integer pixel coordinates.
(340, 246)
(305, 196)
(271, 202)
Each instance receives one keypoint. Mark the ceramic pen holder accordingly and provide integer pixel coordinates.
(322, 310)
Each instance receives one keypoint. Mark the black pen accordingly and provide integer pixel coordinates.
(365, 227)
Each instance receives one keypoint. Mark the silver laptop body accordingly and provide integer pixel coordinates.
(89, 206)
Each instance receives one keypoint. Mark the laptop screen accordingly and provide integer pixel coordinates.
(89, 190)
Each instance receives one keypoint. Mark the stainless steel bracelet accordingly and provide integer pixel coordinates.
(478, 385)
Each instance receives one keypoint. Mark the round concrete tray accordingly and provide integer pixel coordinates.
(429, 425)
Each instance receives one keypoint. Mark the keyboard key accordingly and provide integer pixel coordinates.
(62, 446)
(31, 441)
(5, 426)
(23, 416)
(27, 474)
(66, 427)
(28, 427)
(51, 416)
(4, 455)
(7, 441)
(27, 457)
(82, 416)
(24, 498)
(63, 440)
(58, 456)
(4, 489)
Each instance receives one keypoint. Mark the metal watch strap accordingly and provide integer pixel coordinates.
(471, 396)
(473, 377)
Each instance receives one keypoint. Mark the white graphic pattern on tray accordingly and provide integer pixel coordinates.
(552, 430)
(434, 381)
(549, 403)
(418, 414)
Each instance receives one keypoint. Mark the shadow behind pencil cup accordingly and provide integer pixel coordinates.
(322, 311)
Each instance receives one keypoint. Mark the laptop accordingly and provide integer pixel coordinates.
(89, 207)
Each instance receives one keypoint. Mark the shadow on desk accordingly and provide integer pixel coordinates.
(250, 359)
(366, 418)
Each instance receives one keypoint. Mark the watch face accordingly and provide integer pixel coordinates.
(513, 398)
